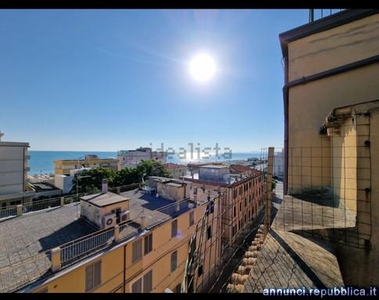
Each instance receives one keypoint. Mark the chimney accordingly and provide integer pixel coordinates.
(104, 188)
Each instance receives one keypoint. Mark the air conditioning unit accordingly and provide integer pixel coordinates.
(125, 216)
(109, 221)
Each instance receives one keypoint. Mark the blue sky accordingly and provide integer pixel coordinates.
(112, 79)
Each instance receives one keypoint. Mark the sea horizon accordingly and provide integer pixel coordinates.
(41, 162)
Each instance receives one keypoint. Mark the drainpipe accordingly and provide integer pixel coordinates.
(269, 188)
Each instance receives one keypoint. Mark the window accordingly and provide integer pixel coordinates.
(137, 286)
(209, 232)
(200, 270)
(191, 218)
(148, 282)
(174, 228)
(234, 211)
(148, 243)
(143, 284)
(93, 275)
(211, 207)
(174, 261)
(137, 250)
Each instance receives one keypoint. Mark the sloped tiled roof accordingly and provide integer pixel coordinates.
(288, 260)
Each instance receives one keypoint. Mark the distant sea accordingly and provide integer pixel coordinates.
(42, 162)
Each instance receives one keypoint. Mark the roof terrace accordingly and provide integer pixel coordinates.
(27, 241)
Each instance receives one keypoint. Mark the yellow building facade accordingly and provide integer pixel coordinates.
(154, 244)
(330, 63)
(245, 201)
(150, 262)
(148, 253)
(331, 133)
(65, 166)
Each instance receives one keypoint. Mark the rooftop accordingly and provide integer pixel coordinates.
(292, 256)
(26, 240)
(240, 169)
(288, 260)
(214, 166)
(313, 213)
(171, 166)
(104, 199)
(42, 186)
(87, 158)
(13, 144)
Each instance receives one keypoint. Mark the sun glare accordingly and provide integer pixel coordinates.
(202, 67)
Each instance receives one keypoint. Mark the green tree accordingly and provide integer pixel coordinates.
(150, 168)
(126, 176)
(91, 180)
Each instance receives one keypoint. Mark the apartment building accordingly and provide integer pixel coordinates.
(14, 187)
(244, 196)
(176, 170)
(131, 158)
(331, 133)
(65, 166)
(114, 243)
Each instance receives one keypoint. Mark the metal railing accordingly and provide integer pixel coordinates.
(316, 14)
(8, 212)
(73, 250)
(40, 204)
(36, 205)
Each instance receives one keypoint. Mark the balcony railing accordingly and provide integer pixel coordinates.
(8, 212)
(316, 14)
(81, 247)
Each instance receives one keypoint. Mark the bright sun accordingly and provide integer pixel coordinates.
(202, 67)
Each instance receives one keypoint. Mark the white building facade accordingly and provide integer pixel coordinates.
(131, 158)
(14, 173)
